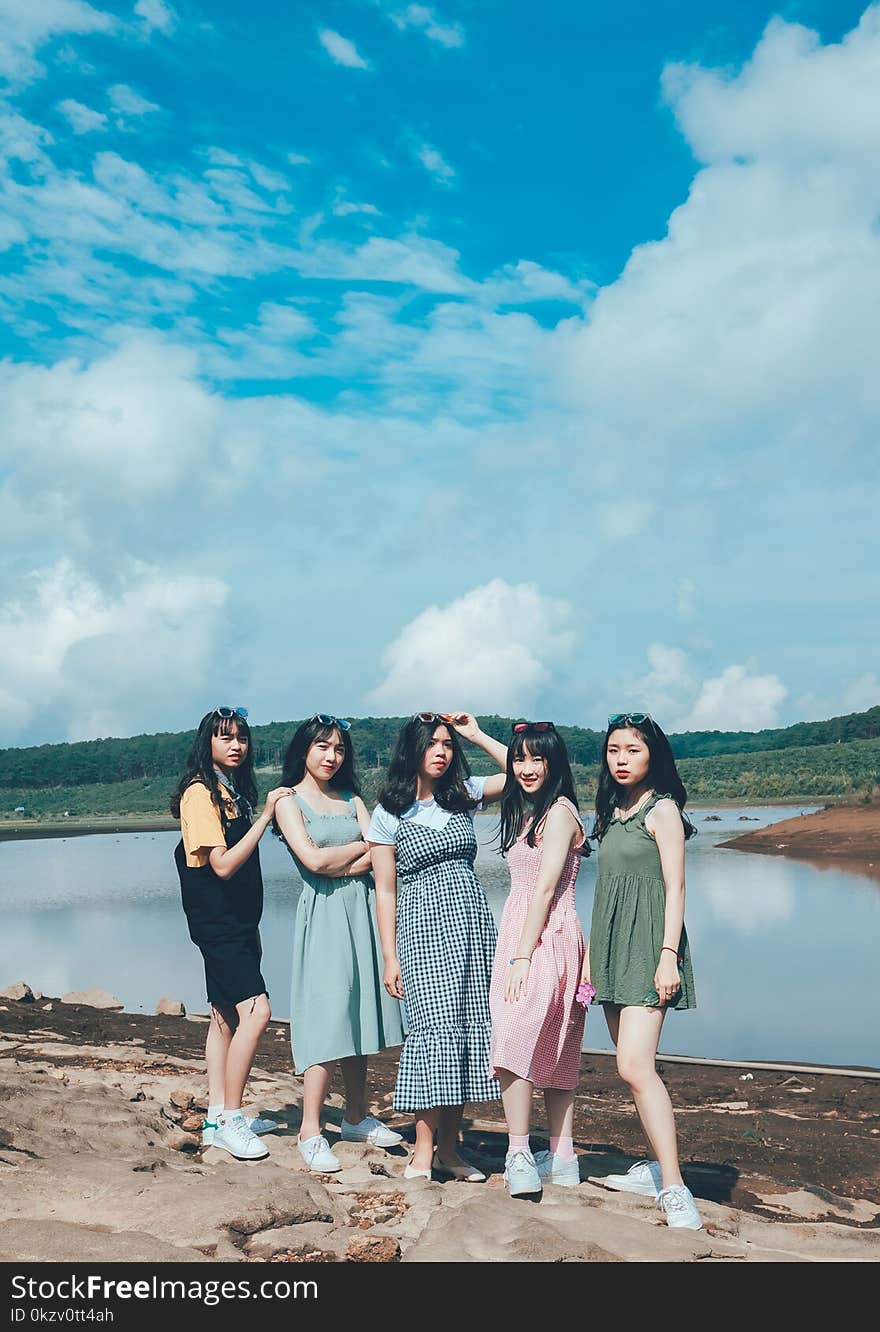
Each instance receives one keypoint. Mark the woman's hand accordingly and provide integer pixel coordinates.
(517, 980)
(272, 799)
(392, 979)
(465, 723)
(667, 981)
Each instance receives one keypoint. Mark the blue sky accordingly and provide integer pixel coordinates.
(371, 356)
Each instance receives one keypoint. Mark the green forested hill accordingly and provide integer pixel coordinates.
(133, 785)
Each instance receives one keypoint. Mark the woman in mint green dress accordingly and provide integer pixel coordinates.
(638, 957)
(340, 1011)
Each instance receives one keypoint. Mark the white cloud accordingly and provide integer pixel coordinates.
(157, 16)
(494, 649)
(432, 160)
(126, 102)
(299, 159)
(862, 694)
(82, 119)
(220, 157)
(25, 26)
(341, 50)
(84, 659)
(343, 207)
(424, 19)
(736, 700)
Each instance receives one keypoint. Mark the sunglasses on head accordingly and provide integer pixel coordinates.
(433, 717)
(631, 718)
(228, 713)
(326, 720)
(518, 727)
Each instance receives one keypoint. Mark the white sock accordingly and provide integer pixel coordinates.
(212, 1112)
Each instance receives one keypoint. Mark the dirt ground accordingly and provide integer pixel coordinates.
(844, 833)
(743, 1137)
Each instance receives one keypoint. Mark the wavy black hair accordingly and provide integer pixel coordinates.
(662, 776)
(516, 806)
(200, 766)
(401, 779)
(303, 738)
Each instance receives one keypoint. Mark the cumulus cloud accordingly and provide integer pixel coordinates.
(26, 26)
(736, 700)
(424, 19)
(432, 160)
(492, 650)
(82, 119)
(126, 102)
(156, 16)
(81, 659)
(341, 50)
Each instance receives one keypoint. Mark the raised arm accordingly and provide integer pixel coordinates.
(385, 873)
(225, 861)
(561, 831)
(468, 728)
(332, 861)
(664, 824)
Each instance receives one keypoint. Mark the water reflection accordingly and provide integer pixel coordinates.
(784, 951)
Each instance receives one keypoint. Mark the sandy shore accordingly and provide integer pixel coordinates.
(785, 1166)
(844, 832)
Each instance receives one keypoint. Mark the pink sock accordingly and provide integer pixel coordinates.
(518, 1143)
(563, 1148)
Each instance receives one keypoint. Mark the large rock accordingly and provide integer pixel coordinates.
(20, 990)
(92, 999)
(45, 1241)
(170, 1008)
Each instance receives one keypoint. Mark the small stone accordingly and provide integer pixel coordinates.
(193, 1123)
(138, 1096)
(373, 1249)
(179, 1141)
(170, 1008)
(19, 990)
(181, 1098)
(47, 1008)
(92, 999)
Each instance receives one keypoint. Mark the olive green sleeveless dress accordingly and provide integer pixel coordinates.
(626, 935)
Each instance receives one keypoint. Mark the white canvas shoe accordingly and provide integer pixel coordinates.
(554, 1170)
(256, 1125)
(233, 1135)
(370, 1130)
(677, 1202)
(644, 1177)
(317, 1155)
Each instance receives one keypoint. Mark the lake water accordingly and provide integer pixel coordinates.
(784, 952)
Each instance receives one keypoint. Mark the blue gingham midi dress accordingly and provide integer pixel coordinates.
(445, 945)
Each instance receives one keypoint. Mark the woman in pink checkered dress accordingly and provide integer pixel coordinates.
(537, 1023)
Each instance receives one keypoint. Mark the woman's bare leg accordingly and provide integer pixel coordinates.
(316, 1082)
(637, 1037)
(253, 1018)
(354, 1075)
(220, 1030)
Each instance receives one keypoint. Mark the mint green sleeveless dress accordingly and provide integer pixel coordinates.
(629, 908)
(338, 1004)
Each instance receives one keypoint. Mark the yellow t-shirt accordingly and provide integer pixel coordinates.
(200, 824)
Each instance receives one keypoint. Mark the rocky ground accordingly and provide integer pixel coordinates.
(100, 1158)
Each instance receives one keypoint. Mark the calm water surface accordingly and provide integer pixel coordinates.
(784, 952)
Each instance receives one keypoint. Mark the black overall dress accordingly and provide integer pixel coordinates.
(223, 917)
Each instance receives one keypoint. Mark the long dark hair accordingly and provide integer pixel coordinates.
(200, 766)
(304, 737)
(401, 779)
(662, 776)
(516, 807)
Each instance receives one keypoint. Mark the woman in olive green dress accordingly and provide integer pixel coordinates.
(638, 958)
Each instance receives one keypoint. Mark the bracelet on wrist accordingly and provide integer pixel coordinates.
(518, 959)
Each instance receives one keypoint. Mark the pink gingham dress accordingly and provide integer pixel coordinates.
(539, 1037)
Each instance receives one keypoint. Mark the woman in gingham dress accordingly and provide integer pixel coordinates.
(438, 935)
(537, 1023)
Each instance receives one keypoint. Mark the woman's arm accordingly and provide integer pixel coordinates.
(385, 872)
(225, 861)
(332, 861)
(665, 825)
(468, 728)
(364, 862)
(561, 829)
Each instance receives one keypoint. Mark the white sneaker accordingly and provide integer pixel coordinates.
(681, 1211)
(520, 1174)
(317, 1155)
(370, 1130)
(257, 1125)
(557, 1171)
(644, 1177)
(234, 1136)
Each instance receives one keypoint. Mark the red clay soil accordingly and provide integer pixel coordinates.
(842, 832)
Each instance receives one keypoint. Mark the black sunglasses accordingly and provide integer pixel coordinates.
(326, 720)
(518, 727)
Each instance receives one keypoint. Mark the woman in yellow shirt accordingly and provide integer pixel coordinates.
(222, 889)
